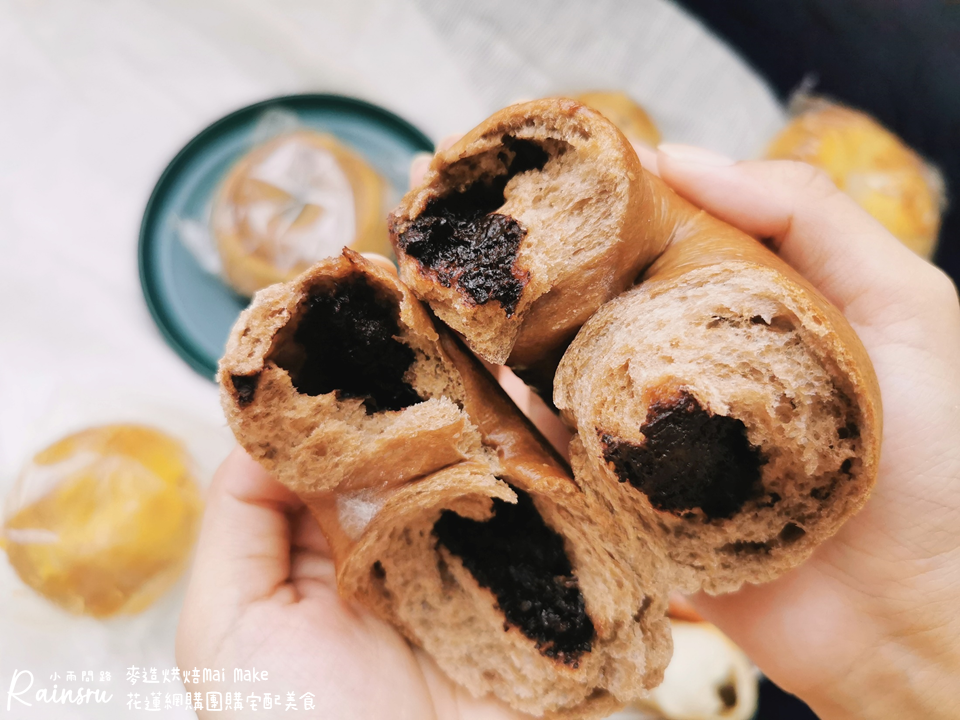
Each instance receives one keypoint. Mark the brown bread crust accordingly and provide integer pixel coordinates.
(720, 318)
(727, 417)
(378, 483)
(583, 213)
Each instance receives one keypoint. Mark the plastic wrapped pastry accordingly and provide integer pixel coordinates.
(292, 201)
(622, 111)
(445, 511)
(872, 165)
(103, 521)
(708, 678)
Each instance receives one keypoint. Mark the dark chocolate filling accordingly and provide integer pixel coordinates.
(347, 338)
(466, 244)
(521, 560)
(689, 459)
(246, 387)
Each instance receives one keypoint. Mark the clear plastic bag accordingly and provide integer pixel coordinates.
(296, 196)
(41, 637)
(102, 521)
(871, 164)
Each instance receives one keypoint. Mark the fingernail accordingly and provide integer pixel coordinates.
(381, 261)
(693, 154)
(648, 157)
(418, 167)
(449, 141)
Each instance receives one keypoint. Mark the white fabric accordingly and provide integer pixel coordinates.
(96, 97)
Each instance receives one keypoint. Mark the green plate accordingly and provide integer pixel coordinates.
(193, 308)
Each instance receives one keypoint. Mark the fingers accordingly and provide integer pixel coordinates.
(243, 553)
(381, 261)
(536, 410)
(449, 141)
(805, 612)
(420, 163)
(311, 566)
(306, 534)
(815, 227)
(418, 167)
(648, 157)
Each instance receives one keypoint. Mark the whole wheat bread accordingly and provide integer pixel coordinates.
(446, 512)
(727, 418)
(725, 408)
(523, 228)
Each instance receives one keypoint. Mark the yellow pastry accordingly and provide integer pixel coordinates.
(292, 201)
(115, 524)
(623, 112)
(873, 166)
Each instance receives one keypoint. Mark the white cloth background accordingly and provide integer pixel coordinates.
(97, 96)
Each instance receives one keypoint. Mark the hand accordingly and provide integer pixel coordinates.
(869, 627)
(263, 594)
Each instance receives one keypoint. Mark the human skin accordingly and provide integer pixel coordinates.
(868, 628)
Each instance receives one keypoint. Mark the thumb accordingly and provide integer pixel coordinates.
(854, 261)
(243, 553)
